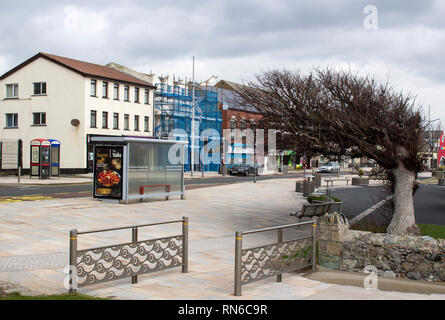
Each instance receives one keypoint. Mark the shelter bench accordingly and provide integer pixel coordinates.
(167, 188)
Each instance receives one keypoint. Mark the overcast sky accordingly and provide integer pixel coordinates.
(235, 39)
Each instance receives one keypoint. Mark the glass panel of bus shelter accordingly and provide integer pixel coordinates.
(149, 166)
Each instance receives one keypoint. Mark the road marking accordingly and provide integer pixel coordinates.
(429, 181)
(360, 216)
(25, 198)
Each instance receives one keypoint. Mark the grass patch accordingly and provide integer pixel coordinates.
(64, 296)
(433, 230)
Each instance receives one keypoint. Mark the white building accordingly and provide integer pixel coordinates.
(49, 96)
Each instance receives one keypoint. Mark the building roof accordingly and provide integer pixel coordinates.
(228, 85)
(86, 69)
(226, 96)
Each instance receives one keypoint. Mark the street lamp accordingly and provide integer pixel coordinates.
(192, 144)
(430, 142)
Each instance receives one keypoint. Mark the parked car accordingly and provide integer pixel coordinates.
(329, 167)
(242, 169)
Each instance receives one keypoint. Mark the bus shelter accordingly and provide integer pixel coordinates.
(131, 168)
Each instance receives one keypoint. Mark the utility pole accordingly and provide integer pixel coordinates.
(431, 143)
(192, 144)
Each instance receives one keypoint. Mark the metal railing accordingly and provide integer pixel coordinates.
(254, 264)
(108, 263)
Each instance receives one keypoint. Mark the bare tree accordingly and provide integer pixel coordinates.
(338, 113)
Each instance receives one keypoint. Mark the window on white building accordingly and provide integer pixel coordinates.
(93, 119)
(116, 91)
(136, 95)
(136, 123)
(146, 96)
(12, 90)
(39, 118)
(146, 124)
(39, 88)
(93, 90)
(104, 89)
(115, 120)
(12, 120)
(126, 93)
(126, 122)
(104, 120)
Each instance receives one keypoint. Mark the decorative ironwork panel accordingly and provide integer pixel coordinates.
(267, 261)
(125, 260)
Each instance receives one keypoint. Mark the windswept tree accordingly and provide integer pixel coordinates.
(339, 113)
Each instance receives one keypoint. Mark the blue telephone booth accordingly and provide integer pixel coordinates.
(55, 157)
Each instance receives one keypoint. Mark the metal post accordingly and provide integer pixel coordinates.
(238, 248)
(19, 159)
(134, 239)
(182, 178)
(280, 239)
(314, 244)
(205, 156)
(185, 244)
(254, 155)
(73, 260)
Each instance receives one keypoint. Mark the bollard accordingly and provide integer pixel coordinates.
(73, 258)
(185, 244)
(134, 239)
(314, 245)
(238, 248)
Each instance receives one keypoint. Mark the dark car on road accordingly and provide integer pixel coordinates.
(242, 169)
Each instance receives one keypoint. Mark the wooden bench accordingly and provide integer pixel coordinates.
(311, 210)
(337, 179)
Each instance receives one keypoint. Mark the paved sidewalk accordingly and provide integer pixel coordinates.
(34, 243)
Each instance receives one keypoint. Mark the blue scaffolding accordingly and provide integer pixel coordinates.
(175, 106)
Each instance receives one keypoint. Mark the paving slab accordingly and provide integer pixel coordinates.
(34, 242)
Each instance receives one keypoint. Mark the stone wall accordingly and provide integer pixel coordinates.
(398, 255)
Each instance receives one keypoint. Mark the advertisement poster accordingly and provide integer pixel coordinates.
(108, 169)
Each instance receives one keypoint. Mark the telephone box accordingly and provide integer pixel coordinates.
(55, 157)
(40, 158)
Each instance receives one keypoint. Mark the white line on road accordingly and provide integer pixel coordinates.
(360, 216)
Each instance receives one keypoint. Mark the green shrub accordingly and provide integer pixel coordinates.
(322, 198)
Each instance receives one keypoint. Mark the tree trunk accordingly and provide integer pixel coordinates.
(403, 221)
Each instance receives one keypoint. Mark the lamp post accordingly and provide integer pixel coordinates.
(430, 142)
(192, 142)
(253, 126)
